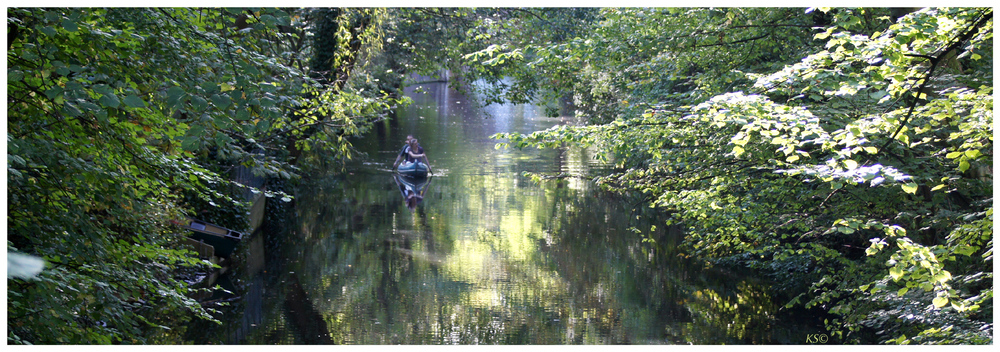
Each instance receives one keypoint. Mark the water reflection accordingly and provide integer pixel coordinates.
(411, 188)
(489, 257)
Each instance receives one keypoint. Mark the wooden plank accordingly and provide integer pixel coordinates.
(204, 250)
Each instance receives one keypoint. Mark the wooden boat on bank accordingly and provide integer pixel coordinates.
(222, 239)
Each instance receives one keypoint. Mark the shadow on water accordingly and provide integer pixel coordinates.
(486, 256)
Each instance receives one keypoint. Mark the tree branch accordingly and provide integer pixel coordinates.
(930, 73)
(733, 42)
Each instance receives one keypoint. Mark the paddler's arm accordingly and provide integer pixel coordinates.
(396, 163)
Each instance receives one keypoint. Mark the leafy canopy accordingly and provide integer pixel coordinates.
(122, 120)
(850, 145)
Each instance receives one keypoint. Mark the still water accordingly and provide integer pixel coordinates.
(488, 256)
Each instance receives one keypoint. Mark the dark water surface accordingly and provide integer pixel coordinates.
(488, 257)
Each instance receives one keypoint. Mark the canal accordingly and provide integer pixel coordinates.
(487, 257)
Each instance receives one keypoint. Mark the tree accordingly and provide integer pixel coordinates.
(336, 103)
(872, 151)
(428, 41)
(121, 120)
(421, 41)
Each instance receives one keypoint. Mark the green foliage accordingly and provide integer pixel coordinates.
(430, 41)
(121, 120)
(862, 156)
(622, 61)
(419, 41)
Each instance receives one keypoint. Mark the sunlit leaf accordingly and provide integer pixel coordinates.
(896, 272)
(737, 150)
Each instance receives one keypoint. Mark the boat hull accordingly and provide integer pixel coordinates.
(416, 169)
(224, 240)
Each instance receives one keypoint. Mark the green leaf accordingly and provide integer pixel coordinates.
(190, 144)
(940, 301)
(134, 101)
(896, 272)
(174, 95)
(964, 165)
(54, 92)
(910, 187)
(851, 164)
(109, 100)
(942, 276)
(223, 122)
(221, 101)
(198, 103)
(91, 107)
(737, 150)
(49, 31)
(953, 155)
(71, 109)
(69, 25)
(242, 114)
(269, 20)
(14, 75)
(102, 89)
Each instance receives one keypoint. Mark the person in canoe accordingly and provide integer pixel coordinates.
(403, 152)
(415, 154)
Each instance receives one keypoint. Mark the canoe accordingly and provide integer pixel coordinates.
(414, 169)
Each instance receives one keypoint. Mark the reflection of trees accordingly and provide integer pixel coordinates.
(549, 266)
(546, 267)
(308, 324)
(492, 258)
(695, 305)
